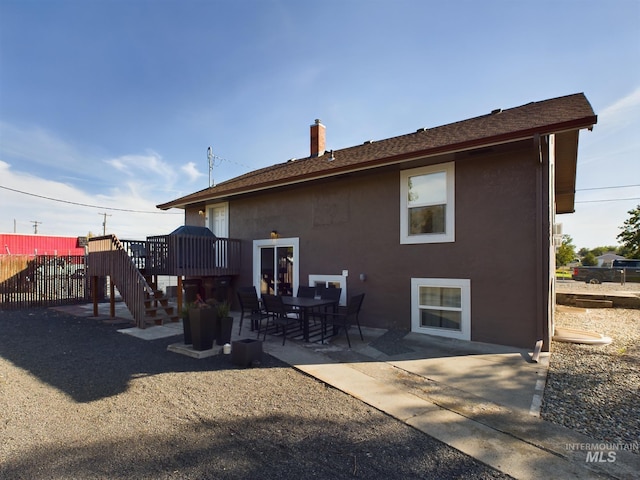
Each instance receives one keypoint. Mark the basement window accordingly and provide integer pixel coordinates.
(442, 307)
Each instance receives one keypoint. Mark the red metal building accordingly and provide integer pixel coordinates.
(19, 244)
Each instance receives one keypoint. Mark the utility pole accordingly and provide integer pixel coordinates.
(35, 226)
(104, 223)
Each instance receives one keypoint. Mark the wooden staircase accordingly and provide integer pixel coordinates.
(157, 308)
(147, 304)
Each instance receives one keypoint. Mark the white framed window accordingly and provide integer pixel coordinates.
(427, 204)
(441, 306)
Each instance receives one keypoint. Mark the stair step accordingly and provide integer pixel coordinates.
(589, 303)
(168, 309)
(153, 321)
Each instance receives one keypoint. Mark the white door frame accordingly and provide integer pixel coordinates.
(276, 242)
(223, 231)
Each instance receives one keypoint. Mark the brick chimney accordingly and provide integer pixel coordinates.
(317, 139)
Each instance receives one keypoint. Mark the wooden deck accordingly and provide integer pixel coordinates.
(129, 263)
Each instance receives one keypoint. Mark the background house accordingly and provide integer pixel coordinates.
(431, 225)
(606, 260)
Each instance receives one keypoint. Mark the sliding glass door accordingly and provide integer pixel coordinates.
(275, 266)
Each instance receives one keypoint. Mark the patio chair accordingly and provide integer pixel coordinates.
(250, 306)
(331, 293)
(307, 292)
(278, 314)
(344, 318)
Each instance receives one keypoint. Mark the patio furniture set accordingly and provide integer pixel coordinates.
(311, 304)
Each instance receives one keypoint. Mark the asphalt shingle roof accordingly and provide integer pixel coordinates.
(570, 112)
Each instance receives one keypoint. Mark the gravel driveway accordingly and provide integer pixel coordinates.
(595, 390)
(79, 400)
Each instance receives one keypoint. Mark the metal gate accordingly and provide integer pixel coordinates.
(43, 280)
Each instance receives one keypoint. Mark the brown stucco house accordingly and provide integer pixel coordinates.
(448, 230)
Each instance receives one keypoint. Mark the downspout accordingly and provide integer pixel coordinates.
(541, 145)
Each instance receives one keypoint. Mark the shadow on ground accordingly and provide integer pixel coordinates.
(87, 358)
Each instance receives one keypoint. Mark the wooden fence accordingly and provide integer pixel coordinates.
(42, 280)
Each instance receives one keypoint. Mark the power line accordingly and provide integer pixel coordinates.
(606, 188)
(215, 157)
(608, 200)
(87, 205)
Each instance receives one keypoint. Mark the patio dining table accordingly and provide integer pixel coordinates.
(306, 305)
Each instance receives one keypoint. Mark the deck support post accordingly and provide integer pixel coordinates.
(94, 294)
(112, 299)
(179, 294)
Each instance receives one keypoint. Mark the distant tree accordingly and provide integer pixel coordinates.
(566, 252)
(583, 251)
(589, 260)
(630, 235)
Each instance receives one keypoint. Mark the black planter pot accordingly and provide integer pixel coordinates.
(203, 327)
(223, 330)
(246, 352)
(186, 329)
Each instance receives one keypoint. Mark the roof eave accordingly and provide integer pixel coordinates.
(206, 195)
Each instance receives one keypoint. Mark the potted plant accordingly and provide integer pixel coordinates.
(225, 323)
(203, 326)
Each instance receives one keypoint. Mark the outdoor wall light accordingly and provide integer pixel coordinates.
(201, 213)
(363, 277)
(274, 235)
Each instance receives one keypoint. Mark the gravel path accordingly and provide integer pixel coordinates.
(596, 389)
(79, 400)
(569, 286)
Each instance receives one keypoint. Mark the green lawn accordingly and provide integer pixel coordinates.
(563, 274)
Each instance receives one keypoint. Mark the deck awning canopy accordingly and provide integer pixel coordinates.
(563, 116)
(193, 230)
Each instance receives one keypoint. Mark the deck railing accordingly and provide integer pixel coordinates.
(192, 255)
(108, 257)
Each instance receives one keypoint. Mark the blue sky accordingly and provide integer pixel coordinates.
(113, 104)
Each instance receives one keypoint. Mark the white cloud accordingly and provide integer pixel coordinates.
(150, 164)
(63, 208)
(623, 111)
(38, 146)
(191, 171)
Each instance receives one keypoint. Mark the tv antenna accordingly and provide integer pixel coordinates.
(210, 158)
